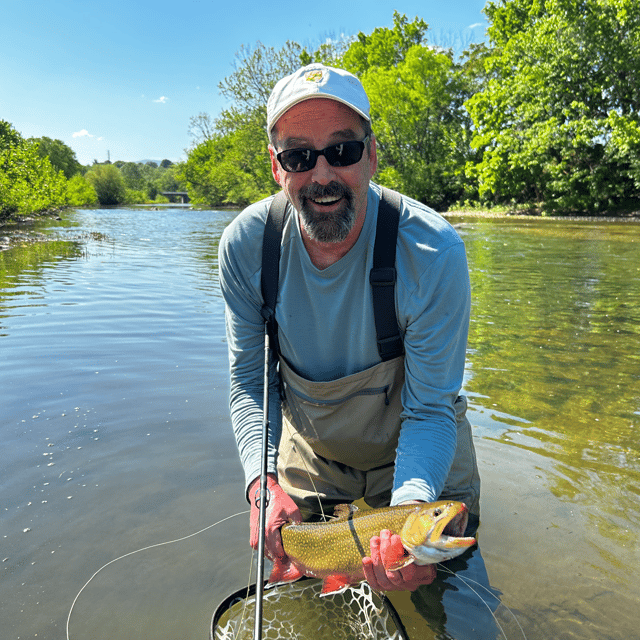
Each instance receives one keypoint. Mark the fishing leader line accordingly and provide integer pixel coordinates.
(467, 581)
(131, 553)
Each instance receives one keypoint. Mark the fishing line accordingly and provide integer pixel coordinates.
(246, 598)
(466, 581)
(306, 468)
(131, 553)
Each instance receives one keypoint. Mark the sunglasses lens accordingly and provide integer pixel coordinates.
(337, 155)
(297, 160)
(344, 154)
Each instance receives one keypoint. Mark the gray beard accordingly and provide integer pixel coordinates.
(333, 227)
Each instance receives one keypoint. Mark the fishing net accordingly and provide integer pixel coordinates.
(296, 610)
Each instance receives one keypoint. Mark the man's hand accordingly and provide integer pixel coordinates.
(384, 549)
(281, 509)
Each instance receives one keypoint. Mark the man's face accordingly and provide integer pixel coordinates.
(332, 201)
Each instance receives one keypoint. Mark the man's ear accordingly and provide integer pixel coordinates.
(276, 169)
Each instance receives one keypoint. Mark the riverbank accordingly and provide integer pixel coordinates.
(633, 216)
(32, 217)
(17, 231)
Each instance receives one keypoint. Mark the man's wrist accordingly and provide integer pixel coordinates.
(255, 483)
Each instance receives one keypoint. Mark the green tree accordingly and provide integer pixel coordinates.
(80, 192)
(256, 72)
(558, 122)
(416, 95)
(28, 182)
(385, 48)
(133, 176)
(422, 130)
(62, 157)
(108, 183)
(233, 166)
(9, 137)
(168, 180)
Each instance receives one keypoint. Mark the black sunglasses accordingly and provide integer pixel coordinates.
(342, 154)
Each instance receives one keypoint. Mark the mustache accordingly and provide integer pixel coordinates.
(331, 190)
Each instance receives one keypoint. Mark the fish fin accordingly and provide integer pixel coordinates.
(395, 557)
(284, 572)
(344, 510)
(335, 583)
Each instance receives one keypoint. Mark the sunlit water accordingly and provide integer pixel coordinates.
(115, 434)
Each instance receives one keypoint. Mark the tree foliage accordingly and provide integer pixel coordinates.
(385, 48)
(558, 123)
(256, 71)
(62, 157)
(232, 167)
(80, 192)
(41, 174)
(28, 182)
(416, 94)
(146, 181)
(330, 52)
(108, 184)
(422, 130)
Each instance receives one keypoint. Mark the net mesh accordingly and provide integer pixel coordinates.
(296, 610)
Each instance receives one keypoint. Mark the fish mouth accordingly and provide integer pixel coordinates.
(457, 524)
(448, 531)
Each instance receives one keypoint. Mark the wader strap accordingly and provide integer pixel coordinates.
(271, 266)
(382, 276)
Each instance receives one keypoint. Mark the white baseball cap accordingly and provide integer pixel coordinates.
(316, 81)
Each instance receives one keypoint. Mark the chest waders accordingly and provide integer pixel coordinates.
(339, 437)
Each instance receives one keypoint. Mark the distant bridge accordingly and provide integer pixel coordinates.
(183, 195)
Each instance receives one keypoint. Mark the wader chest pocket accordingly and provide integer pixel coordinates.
(353, 420)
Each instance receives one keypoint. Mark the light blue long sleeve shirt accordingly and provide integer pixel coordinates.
(326, 330)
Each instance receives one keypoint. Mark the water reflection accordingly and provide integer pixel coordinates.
(555, 346)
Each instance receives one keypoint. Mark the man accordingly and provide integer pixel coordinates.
(348, 425)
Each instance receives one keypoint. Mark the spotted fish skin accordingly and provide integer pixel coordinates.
(333, 550)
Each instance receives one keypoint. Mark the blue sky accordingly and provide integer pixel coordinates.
(123, 77)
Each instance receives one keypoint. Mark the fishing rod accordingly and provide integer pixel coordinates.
(263, 497)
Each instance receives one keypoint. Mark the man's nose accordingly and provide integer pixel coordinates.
(323, 172)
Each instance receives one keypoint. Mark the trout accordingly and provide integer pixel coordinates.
(333, 551)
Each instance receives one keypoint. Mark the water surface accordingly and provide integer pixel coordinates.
(115, 431)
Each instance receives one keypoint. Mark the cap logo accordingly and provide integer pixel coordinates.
(313, 76)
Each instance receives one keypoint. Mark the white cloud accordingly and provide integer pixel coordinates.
(83, 133)
(476, 24)
(162, 99)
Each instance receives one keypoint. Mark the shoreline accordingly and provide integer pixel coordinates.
(631, 217)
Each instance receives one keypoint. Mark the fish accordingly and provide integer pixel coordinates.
(431, 532)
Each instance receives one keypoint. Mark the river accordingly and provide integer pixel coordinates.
(115, 435)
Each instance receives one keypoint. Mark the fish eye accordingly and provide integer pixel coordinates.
(437, 512)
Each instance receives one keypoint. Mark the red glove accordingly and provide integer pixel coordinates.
(281, 509)
(384, 549)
